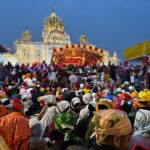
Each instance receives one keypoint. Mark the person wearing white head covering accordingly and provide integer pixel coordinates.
(28, 81)
(27, 105)
(94, 97)
(131, 88)
(48, 99)
(85, 78)
(10, 87)
(63, 106)
(84, 113)
(75, 106)
(48, 119)
(51, 76)
(64, 90)
(126, 83)
(141, 134)
(119, 90)
(34, 79)
(75, 103)
(6, 102)
(73, 78)
(81, 86)
(87, 98)
(36, 141)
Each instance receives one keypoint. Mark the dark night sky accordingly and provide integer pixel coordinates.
(108, 24)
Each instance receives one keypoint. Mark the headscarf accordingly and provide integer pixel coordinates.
(134, 94)
(36, 128)
(144, 95)
(27, 105)
(16, 104)
(104, 120)
(48, 117)
(64, 122)
(42, 90)
(87, 98)
(142, 123)
(24, 85)
(125, 96)
(6, 102)
(84, 113)
(28, 75)
(63, 106)
(106, 102)
(131, 88)
(3, 111)
(75, 103)
(51, 99)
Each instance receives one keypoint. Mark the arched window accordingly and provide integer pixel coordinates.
(38, 55)
(25, 53)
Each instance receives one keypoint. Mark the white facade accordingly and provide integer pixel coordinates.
(7, 57)
(53, 36)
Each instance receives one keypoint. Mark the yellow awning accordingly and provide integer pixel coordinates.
(137, 51)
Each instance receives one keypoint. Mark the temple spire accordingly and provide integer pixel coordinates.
(53, 10)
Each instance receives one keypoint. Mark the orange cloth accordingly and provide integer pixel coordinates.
(111, 122)
(28, 75)
(3, 111)
(15, 130)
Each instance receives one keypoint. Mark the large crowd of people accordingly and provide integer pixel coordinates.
(47, 107)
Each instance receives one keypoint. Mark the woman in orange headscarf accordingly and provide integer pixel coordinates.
(14, 128)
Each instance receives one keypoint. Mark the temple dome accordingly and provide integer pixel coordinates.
(53, 21)
(54, 30)
(26, 35)
(83, 39)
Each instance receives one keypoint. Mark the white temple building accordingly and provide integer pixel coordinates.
(53, 36)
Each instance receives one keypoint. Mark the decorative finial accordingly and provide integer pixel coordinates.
(26, 28)
(53, 10)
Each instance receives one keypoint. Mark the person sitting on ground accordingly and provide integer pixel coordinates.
(141, 134)
(14, 128)
(112, 130)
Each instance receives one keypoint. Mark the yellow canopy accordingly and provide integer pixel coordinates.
(137, 51)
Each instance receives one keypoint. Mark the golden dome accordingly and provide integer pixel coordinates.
(83, 39)
(26, 36)
(53, 21)
(53, 31)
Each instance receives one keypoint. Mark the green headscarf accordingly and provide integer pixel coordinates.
(65, 122)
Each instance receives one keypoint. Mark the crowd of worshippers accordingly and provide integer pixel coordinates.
(45, 107)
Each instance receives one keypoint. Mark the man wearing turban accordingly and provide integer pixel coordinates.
(112, 130)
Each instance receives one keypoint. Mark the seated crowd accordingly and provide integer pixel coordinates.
(45, 107)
